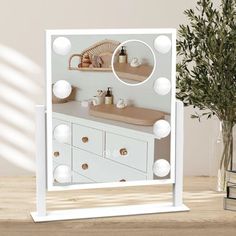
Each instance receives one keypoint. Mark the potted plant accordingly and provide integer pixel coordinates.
(206, 72)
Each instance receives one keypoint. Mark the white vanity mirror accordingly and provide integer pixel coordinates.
(102, 132)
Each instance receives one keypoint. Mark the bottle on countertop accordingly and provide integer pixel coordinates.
(122, 55)
(109, 96)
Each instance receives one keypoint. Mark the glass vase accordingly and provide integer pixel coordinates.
(224, 151)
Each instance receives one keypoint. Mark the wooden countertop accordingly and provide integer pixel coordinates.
(74, 109)
(206, 217)
(129, 114)
(125, 72)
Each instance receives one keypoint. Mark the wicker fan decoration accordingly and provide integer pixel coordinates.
(96, 57)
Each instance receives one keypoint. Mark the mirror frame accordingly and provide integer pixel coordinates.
(49, 35)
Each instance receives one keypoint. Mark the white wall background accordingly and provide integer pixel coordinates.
(22, 61)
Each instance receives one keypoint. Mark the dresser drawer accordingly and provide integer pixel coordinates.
(80, 179)
(127, 151)
(61, 153)
(101, 169)
(61, 131)
(88, 139)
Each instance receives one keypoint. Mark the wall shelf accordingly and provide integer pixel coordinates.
(91, 69)
(103, 49)
(126, 72)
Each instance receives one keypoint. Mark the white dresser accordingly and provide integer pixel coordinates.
(101, 150)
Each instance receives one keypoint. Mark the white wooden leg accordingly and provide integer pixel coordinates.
(178, 186)
(40, 162)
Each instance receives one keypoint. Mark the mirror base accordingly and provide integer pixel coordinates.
(108, 212)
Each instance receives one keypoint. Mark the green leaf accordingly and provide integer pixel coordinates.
(206, 73)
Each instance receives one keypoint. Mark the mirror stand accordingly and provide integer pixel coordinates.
(41, 214)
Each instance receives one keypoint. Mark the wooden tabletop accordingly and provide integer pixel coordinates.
(130, 114)
(206, 217)
(74, 109)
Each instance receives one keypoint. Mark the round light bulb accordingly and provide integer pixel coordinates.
(161, 129)
(162, 86)
(62, 133)
(62, 89)
(161, 168)
(162, 44)
(61, 46)
(62, 174)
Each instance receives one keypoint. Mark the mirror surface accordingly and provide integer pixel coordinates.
(101, 130)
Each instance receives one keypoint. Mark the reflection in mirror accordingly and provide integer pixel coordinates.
(133, 62)
(95, 57)
(102, 131)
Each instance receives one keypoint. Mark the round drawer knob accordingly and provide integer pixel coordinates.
(123, 152)
(122, 180)
(56, 154)
(85, 166)
(85, 139)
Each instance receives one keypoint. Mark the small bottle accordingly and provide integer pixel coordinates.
(122, 55)
(109, 96)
